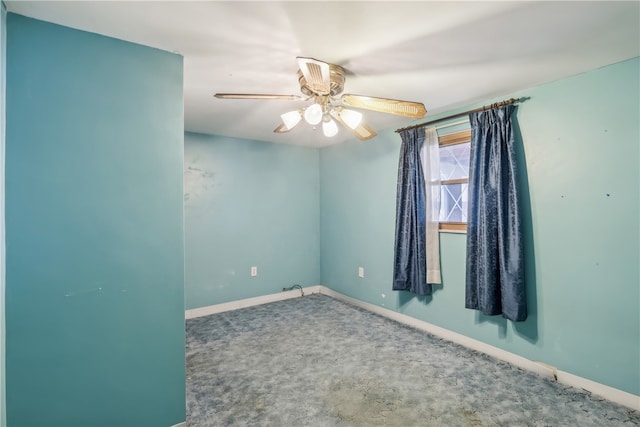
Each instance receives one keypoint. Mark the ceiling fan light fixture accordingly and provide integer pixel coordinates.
(329, 127)
(351, 118)
(323, 83)
(313, 114)
(291, 118)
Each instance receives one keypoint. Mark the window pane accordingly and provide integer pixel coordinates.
(453, 203)
(454, 161)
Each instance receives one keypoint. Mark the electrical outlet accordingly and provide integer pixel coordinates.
(254, 271)
(360, 271)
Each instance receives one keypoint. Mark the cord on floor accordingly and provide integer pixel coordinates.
(294, 287)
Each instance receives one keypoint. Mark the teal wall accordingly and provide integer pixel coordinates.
(249, 203)
(579, 148)
(3, 56)
(94, 230)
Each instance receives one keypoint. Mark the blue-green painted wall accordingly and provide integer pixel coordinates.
(3, 57)
(94, 230)
(579, 147)
(249, 203)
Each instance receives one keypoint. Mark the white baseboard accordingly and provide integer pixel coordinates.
(182, 424)
(615, 395)
(249, 302)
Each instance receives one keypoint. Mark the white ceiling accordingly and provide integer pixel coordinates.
(444, 54)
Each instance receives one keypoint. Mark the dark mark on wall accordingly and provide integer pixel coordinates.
(82, 292)
(197, 181)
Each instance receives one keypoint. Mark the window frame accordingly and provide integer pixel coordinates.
(454, 138)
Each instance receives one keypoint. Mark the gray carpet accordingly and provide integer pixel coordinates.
(317, 361)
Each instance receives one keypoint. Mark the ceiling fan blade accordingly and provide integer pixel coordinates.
(362, 131)
(411, 109)
(281, 129)
(317, 75)
(257, 96)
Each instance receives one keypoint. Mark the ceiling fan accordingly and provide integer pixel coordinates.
(323, 83)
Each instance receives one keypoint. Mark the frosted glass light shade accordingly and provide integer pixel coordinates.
(313, 114)
(329, 128)
(291, 118)
(351, 118)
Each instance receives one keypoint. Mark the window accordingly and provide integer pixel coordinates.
(454, 176)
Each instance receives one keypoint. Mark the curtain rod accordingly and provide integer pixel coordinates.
(446, 125)
(464, 113)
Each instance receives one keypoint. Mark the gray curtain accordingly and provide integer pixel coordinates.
(410, 266)
(495, 262)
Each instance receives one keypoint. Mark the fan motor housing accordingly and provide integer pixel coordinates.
(336, 78)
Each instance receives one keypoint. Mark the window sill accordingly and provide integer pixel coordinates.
(453, 227)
